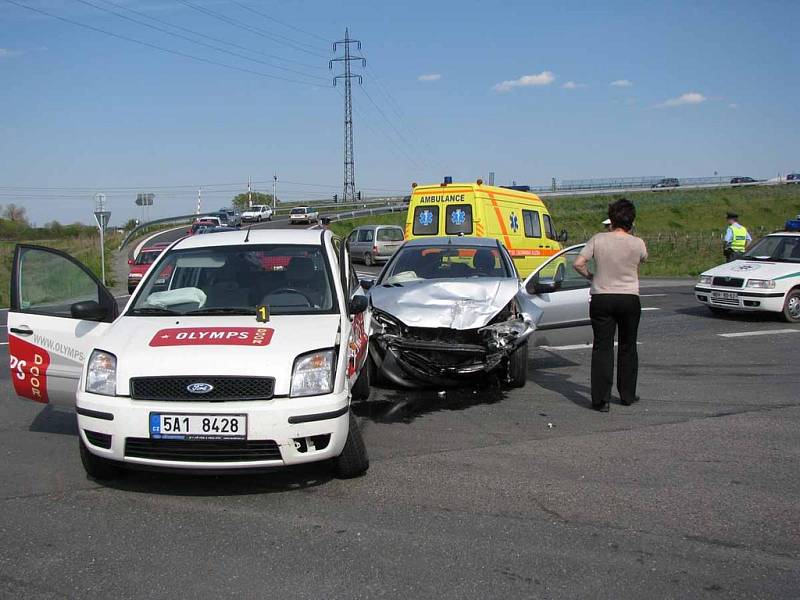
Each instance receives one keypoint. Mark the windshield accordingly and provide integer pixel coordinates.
(414, 263)
(147, 257)
(780, 248)
(289, 279)
(390, 234)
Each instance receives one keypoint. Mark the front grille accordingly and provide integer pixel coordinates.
(217, 451)
(725, 301)
(225, 388)
(101, 440)
(736, 282)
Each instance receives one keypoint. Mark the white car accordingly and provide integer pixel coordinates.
(766, 278)
(247, 356)
(257, 213)
(303, 214)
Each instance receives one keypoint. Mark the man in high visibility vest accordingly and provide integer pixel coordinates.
(736, 238)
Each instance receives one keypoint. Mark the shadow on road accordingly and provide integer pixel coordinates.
(541, 372)
(50, 420)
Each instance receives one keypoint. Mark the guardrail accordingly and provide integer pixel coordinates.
(165, 221)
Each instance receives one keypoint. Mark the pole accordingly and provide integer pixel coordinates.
(249, 194)
(274, 185)
(103, 254)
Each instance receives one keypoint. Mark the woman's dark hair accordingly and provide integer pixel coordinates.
(622, 213)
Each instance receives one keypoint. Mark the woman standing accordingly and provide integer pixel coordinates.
(614, 304)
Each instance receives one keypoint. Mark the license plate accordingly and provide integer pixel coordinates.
(197, 427)
(725, 295)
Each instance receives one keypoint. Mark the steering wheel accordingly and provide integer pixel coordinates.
(292, 291)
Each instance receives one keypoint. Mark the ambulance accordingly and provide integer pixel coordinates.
(519, 219)
(239, 350)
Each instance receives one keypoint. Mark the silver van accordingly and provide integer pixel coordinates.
(372, 244)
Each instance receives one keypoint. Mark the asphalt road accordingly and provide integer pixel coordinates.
(692, 493)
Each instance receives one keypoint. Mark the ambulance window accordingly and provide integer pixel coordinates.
(426, 220)
(365, 235)
(530, 219)
(458, 219)
(548, 228)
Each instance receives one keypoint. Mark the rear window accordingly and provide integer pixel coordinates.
(426, 220)
(298, 211)
(146, 258)
(458, 219)
(390, 234)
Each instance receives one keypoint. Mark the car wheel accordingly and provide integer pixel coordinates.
(791, 307)
(96, 467)
(353, 461)
(375, 376)
(369, 260)
(517, 367)
(361, 386)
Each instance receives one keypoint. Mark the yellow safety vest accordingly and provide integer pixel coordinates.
(739, 237)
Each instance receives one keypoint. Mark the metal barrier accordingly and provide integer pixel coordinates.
(180, 219)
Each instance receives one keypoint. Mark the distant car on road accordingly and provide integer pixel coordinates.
(667, 182)
(303, 214)
(140, 264)
(257, 213)
(735, 180)
(201, 226)
(373, 244)
(230, 217)
(793, 178)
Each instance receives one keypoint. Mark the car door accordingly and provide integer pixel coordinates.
(358, 337)
(563, 295)
(58, 311)
(353, 246)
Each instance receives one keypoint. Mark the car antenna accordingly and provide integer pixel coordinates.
(247, 237)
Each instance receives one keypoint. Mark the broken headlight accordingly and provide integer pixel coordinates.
(383, 323)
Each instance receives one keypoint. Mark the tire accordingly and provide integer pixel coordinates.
(361, 388)
(517, 368)
(791, 307)
(96, 467)
(369, 260)
(353, 461)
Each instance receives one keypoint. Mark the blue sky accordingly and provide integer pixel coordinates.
(700, 87)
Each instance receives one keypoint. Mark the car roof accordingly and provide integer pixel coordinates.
(785, 233)
(453, 241)
(152, 249)
(236, 237)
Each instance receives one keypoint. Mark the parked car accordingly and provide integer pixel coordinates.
(373, 244)
(303, 214)
(793, 178)
(667, 182)
(446, 309)
(139, 265)
(257, 213)
(735, 180)
(229, 366)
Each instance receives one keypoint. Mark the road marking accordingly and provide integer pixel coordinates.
(576, 346)
(650, 308)
(651, 295)
(749, 333)
(3, 343)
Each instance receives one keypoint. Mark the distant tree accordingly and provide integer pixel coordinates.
(55, 227)
(17, 214)
(241, 202)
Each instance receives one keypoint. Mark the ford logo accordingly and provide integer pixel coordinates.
(199, 388)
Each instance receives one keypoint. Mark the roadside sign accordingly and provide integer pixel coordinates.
(102, 217)
(145, 199)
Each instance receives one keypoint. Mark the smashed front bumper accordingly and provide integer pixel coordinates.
(412, 356)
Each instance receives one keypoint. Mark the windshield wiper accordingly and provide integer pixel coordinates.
(154, 310)
(227, 310)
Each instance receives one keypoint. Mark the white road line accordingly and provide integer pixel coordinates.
(651, 295)
(3, 343)
(749, 333)
(650, 308)
(575, 346)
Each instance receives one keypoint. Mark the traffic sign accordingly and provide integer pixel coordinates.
(145, 199)
(102, 217)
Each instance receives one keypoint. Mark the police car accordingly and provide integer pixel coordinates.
(766, 278)
(246, 355)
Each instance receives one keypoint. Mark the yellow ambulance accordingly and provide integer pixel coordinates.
(518, 219)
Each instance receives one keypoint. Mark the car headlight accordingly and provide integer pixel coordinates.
(101, 374)
(767, 284)
(706, 279)
(313, 373)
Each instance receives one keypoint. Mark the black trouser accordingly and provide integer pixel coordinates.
(608, 312)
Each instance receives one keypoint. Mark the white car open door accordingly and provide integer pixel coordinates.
(563, 296)
(58, 311)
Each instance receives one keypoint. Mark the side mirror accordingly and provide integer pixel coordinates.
(130, 261)
(367, 283)
(542, 286)
(563, 236)
(88, 310)
(358, 304)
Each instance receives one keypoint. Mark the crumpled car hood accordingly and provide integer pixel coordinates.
(454, 304)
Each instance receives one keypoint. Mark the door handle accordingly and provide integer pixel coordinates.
(21, 330)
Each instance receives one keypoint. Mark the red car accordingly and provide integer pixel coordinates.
(141, 263)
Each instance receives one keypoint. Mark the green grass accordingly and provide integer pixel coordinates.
(683, 228)
(84, 248)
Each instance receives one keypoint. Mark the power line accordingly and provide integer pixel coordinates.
(184, 37)
(157, 47)
(236, 23)
(389, 122)
(212, 38)
(252, 10)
